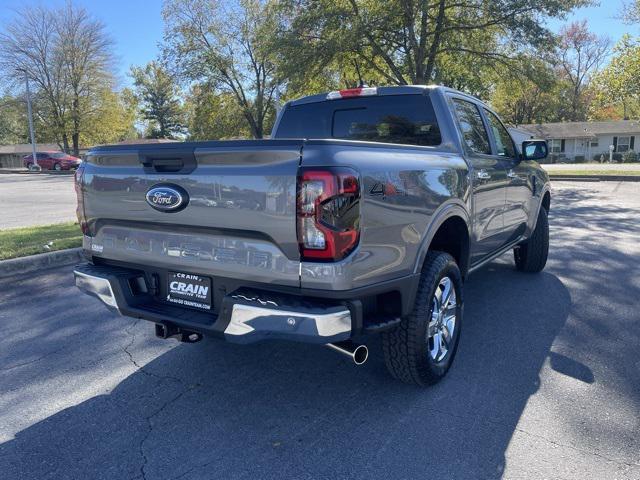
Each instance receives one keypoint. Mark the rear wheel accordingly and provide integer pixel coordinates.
(57, 167)
(531, 256)
(421, 349)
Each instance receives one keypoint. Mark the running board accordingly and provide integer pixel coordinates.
(499, 253)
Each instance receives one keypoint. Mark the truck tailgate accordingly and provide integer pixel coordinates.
(239, 220)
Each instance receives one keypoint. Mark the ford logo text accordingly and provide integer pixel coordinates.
(167, 198)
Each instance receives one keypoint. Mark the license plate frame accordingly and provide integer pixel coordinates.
(189, 290)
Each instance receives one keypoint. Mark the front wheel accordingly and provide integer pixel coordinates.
(531, 256)
(57, 167)
(421, 349)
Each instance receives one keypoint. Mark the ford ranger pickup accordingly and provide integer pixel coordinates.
(363, 214)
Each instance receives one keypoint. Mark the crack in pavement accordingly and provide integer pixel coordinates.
(150, 427)
(160, 378)
(48, 354)
(142, 368)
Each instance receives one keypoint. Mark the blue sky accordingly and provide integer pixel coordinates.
(136, 25)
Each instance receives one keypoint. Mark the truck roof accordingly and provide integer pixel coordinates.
(393, 90)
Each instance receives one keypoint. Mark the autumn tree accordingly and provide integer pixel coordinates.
(159, 98)
(225, 45)
(579, 56)
(631, 12)
(67, 55)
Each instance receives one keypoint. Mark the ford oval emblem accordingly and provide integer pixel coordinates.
(167, 198)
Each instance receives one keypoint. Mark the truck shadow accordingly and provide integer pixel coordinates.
(278, 410)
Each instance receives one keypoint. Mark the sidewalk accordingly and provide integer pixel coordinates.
(622, 168)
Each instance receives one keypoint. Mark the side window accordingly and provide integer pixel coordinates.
(504, 143)
(473, 131)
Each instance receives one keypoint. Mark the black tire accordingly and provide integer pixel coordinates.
(531, 256)
(57, 167)
(406, 348)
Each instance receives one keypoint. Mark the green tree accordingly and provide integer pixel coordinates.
(13, 121)
(409, 41)
(532, 97)
(214, 116)
(226, 45)
(113, 119)
(617, 87)
(158, 95)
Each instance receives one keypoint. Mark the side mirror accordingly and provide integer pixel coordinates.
(534, 149)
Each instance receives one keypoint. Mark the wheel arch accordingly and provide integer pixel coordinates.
(546, 200)
(448, 232)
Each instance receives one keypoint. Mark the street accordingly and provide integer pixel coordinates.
(29, 200)
(546, 383)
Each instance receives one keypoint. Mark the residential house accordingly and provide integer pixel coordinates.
(580, 141)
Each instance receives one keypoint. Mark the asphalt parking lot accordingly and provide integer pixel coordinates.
(29, 200)
(546, 383)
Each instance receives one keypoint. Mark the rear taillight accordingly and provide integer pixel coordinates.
(78, 177)
(328, 208)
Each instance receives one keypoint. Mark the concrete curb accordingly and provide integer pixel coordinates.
(41, 172)
(595, 178)
(41, 261)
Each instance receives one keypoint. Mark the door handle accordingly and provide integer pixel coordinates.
(483, 175)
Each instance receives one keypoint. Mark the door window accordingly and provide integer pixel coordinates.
(504, 144)
(472, 127)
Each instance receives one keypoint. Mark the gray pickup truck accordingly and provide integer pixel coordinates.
(363, 214)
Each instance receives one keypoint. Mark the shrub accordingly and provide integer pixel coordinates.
(629, 157)
(617, 157)
(579, 159)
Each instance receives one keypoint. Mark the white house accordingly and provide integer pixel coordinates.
(580, 141)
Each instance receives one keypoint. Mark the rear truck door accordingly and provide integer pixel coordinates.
(488, 178)
(236, 217)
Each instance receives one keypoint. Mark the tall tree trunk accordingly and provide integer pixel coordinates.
(75, 137)
(65, 142)
(435, 44)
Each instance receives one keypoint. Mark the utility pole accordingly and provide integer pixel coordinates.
(31, 132)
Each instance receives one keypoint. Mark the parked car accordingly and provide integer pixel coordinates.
(378, 204)
(53, 161)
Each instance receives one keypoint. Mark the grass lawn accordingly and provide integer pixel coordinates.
(561, 173)
(20, 242)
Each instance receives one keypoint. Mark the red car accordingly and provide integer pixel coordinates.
(53, 161)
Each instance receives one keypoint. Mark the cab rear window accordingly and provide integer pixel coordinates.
(401, 119)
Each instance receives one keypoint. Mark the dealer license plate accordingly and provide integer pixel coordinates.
(189, 290)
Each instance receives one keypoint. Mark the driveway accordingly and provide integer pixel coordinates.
(546, 383)
(29, 200)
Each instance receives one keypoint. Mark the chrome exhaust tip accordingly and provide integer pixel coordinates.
(358, 353)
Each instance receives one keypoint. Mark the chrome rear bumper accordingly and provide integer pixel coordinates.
(248, 319)
(245, 316)
(98, 287)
